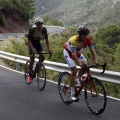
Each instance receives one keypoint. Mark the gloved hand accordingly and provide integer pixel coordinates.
(84, 66)
(96, 64)
(50, 51)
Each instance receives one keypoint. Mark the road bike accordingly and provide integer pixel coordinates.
(94, 91)
(38, 72)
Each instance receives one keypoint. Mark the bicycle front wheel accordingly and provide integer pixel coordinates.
(64, 87)
(26, 72)
(41, 77)
(95, 96)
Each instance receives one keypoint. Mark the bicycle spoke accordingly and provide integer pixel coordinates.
(64, 87)
(41, 77)
(26, 72)
(95, 96)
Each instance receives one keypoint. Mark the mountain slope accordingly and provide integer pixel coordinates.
(91, 12)
(13, 22)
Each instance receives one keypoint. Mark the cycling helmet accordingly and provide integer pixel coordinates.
(83, 29)
(39, 20)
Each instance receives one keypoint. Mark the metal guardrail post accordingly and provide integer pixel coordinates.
(17, 66)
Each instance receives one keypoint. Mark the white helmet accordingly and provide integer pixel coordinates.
(39, 20)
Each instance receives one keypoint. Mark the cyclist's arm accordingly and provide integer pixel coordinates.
(73, 52)
(75, 57)
(30, 45)
(89, 42)
(48, 44)
(46, 37)
(30, 38)
(94, 55)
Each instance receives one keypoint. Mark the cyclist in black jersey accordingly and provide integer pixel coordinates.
(34, 36)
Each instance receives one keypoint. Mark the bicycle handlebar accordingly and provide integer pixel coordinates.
(103, 67)
(50, 54)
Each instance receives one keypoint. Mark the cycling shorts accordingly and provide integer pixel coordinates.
(32, 55)
(69, 59)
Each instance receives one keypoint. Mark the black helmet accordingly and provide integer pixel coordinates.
(83, 29)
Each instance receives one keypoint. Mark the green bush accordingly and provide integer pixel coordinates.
(3, 22)
(15, 46)
(24, 7)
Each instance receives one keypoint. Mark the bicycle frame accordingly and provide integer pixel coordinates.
(41, 59)
(87, 79)
(41, 55)
(94, 91)
(79, 89)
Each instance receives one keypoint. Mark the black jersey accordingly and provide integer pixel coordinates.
(36, 41)
(32, 32)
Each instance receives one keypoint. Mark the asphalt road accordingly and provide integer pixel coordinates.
(19, 101)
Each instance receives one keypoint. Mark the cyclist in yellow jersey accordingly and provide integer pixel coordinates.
(73, 49)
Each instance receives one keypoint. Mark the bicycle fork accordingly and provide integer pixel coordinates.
(92, 87)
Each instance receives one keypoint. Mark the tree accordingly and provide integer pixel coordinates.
(117, 58)
(46, 18)
(24, 7)
(108, 35)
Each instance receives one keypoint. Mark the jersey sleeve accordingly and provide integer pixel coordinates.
(44, 32)
(88, 43)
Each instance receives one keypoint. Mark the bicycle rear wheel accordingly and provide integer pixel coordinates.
(95, 96)
(26, 72)
(41, 77)
(64, 87)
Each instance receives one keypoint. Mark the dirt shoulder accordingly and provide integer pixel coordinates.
(2, 63)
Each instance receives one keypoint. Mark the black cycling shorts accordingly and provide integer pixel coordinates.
(38, 48)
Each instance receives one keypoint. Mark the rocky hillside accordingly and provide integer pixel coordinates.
(12, 22)
(94, 13)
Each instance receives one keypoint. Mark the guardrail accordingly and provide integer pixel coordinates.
(108, 76)
(4, 36)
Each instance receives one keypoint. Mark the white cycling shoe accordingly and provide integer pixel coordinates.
(75, 98)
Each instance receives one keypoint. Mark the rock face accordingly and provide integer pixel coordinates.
(12, 22)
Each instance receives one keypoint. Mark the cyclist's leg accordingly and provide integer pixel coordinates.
(42, 58)
(84, 62)
(39, 48)
(40, 70)
(31, 63)
(73, 68)
(32, 56)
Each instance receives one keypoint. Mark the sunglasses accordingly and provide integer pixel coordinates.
(39, 23)
(84, 33)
